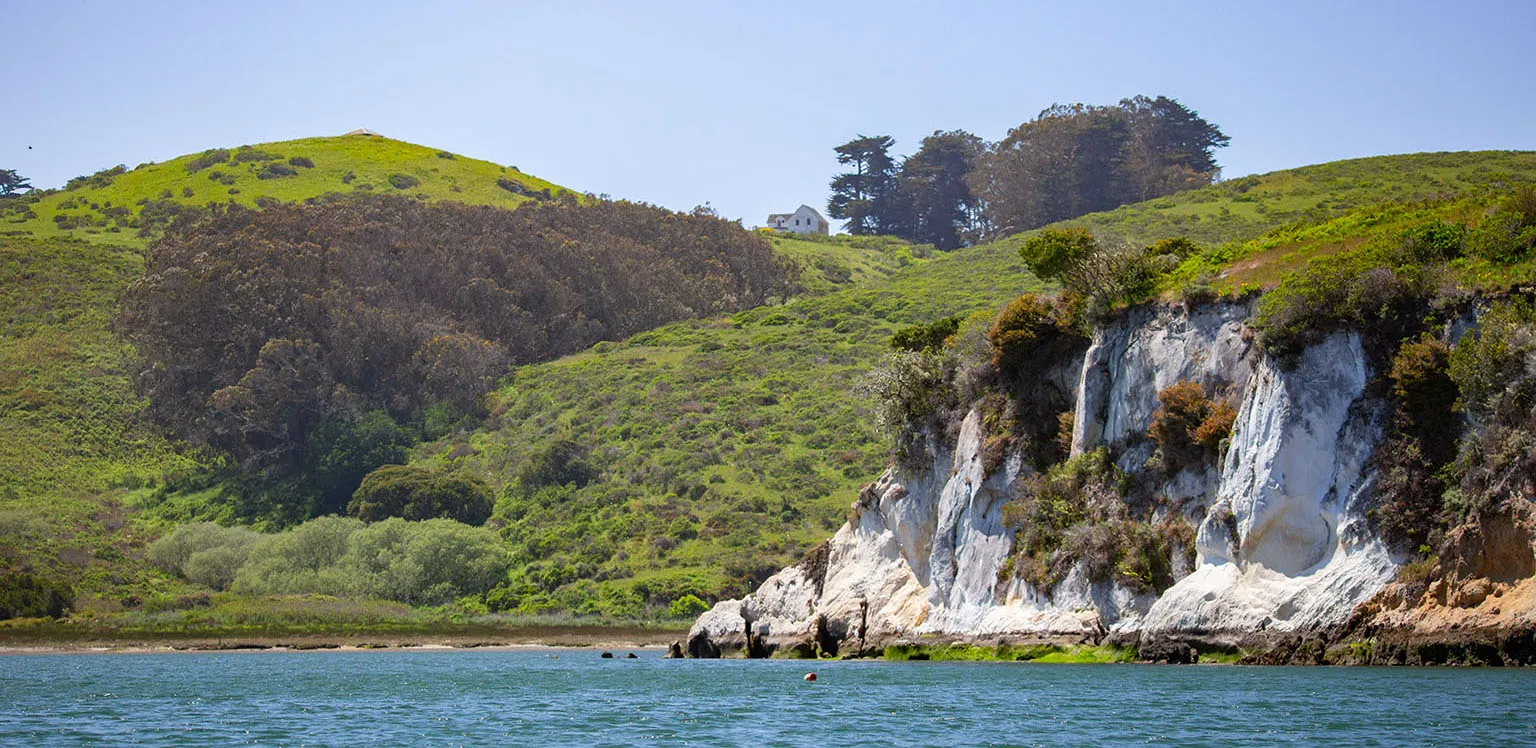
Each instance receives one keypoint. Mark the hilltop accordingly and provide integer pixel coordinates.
(721, 448)
(115, 205)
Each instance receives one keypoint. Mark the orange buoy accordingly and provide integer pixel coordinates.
(811, 677)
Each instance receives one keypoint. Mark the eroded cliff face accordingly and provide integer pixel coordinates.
(1282, 544)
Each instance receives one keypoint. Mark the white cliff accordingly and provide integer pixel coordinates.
(1285, 548)
(1281, 542)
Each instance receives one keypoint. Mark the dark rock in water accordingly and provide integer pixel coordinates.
(607, 655)
(674, 652)
(1170, 651)
(700, 647)
(631, 656)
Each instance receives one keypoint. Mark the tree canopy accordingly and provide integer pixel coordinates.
(1077, 159)
(11, 182)
(257, 328)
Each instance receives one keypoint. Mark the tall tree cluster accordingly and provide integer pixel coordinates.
(1070, 160)
(925, 198)
(258, 328)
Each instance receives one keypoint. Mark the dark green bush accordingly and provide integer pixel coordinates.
(403, 181)
(1105, 275)
(1435, 241)
(559, 463)
(208, 158)
(1358, 290)
(276, 170)
(1032, 330)
(302, 162)
(929, 337)
(417, 494)
(247, 154)
(341, 451)
(23, 595)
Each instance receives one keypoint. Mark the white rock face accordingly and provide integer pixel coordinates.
(1148, 351)
(1285, 547)
(1282, 545)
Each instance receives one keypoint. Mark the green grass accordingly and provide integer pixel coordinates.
(72, 441)
(727, 446)
(370, 161)
(1250, 206)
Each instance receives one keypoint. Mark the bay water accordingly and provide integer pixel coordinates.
(573, 697)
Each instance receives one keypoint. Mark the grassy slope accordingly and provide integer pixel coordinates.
(746, 434)
(746, 408)
(371, 161)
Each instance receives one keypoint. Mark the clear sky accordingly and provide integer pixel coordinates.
(740, 104)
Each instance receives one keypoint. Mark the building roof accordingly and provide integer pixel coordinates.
(365, 131)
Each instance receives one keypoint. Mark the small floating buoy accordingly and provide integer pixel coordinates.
(810, 677)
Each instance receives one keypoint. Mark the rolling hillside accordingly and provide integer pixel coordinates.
(115, 204)
(722, 448)
(731, 446)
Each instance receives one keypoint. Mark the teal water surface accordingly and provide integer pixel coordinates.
(488, 698)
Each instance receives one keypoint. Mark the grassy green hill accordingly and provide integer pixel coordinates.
(724, 448)
(728, 447)
(112, 205)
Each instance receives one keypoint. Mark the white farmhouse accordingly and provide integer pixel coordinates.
(805, 220)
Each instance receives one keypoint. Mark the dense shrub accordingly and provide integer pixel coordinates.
(204, 553)
(929, 337)
(1188, 427)
(1430, 242)
(416, 494)
(561, 462)
(1489, 366)
(687, 606)
(341, 450)
(403, 181)
(1105, 275)
(1074, 513)
(908, 388)
(276, 170)
(208, 158)
(1030, 331)
(418, 563)
(1359, 290)
(247, 154)
(302, 162)
(23, 595)
(1495, 371)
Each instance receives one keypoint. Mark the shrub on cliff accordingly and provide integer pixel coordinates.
(1189, 427)
(1104, 274)
(1031, 332)
(1075, 513)
(1495, 371)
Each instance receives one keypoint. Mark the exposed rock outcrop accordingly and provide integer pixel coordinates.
(1284, 559)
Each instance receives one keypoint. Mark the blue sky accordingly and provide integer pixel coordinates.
(740, 104)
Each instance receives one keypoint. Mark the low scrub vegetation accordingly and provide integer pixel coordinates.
(433, 562)
(1188, 427)
(1074, 514)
